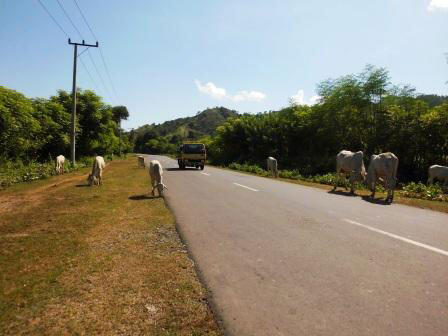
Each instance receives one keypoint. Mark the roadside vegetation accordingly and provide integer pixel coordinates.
(355, 112)
(17, 171)
(406, 191)
(96, 260)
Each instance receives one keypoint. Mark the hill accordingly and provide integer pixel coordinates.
(432, 99)
(165, 137)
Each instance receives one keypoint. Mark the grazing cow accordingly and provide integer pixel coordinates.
(350, 163)
(156, 172)
(383, 166)
(60, 160)
(96, 177)
(272, 166)
(141, 161)
(439, 173)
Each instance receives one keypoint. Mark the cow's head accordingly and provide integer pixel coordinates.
(92, 180)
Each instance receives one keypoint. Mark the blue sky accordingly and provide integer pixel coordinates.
(172, 58)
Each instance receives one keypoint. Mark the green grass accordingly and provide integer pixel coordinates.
(96, 260)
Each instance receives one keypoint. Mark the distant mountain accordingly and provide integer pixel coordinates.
(158, 137)
(432, 99)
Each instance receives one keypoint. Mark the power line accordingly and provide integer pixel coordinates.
(101, 51)
(108, 73)
(85, 20)
(88, 73)
(88, 51)
(98, 73)
(69, 19)
(52, 17)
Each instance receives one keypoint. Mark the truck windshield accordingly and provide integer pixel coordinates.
(194, 148)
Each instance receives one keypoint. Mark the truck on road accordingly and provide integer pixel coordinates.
(192, 154)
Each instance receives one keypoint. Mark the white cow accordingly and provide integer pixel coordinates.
(156, 172)
(60, 160)
(272, 166)
(352, 164)
(96, 177)
(383, 166)
(141, 161)
(439, 173)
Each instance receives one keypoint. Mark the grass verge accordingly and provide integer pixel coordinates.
(96, 260)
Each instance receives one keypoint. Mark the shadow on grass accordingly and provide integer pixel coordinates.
(82, 185)
(342, 193)
(142, 197)
(185, 169)
(375, 200)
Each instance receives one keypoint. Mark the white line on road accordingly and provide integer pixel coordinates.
(409, 241)
(205, 174)
(243, 186)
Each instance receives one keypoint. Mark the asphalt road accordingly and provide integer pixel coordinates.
(284, 259)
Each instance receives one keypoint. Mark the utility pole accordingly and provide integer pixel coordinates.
(119, 151)
(73, 121)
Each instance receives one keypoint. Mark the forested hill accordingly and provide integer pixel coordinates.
(432, 99)
(157, 138)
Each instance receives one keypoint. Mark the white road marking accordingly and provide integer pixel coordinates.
(409, 241)
(205, 174)
(243, 186)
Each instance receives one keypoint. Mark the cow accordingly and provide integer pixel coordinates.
(141, 161)
(156, 172)
(352, 164)
(383, 166)
(272, 166)
(96, 176)
(60, 160)
(439, 173)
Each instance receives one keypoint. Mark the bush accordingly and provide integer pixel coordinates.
(413, 190)
(432, 192)
(290, 174)
(254, 169)
(12, 172)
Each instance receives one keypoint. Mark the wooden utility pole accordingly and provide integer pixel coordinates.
(73, 121)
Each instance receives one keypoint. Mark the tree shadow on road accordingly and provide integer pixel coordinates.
(380, 201)
(342, 193)
(185, 169)
(142, 197)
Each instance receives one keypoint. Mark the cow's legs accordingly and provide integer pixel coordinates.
(374, 189)
(352, 183)
(336, 180)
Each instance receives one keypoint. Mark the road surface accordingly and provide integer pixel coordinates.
(284, 259)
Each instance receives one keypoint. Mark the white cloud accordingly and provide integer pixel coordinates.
(249, 96)
(299, 99)
(213, 91)
(314, 99)
(438, 4)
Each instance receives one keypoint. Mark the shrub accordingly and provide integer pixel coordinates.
(419, 190)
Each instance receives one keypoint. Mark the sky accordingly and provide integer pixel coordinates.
(172, 58)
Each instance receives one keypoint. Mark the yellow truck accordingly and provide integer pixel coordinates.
(192, 154)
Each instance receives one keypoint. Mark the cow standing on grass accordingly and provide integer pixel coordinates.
(96, 176)
(60, 161)
(436, 172)
(272, 166)
(383, 166)
(352, 164)
(156, 172)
